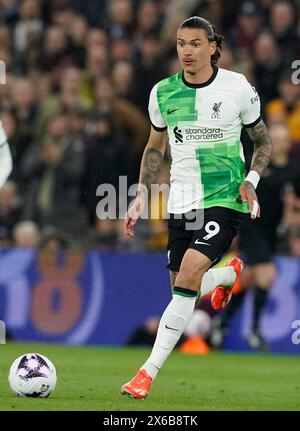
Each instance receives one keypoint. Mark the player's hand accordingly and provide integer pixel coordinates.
(247, 191)
(132, 215)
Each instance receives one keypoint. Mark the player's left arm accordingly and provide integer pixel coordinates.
(261, 138)
(258, 133)
(261, 158)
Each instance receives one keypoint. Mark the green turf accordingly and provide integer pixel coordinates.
(89, 378)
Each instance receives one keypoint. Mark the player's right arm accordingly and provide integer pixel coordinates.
(151, 161)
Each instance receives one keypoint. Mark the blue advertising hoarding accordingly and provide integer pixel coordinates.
(98, 298)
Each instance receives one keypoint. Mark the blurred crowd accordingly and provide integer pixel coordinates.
(74, 106)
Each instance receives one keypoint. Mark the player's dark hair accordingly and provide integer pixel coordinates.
(212, 36)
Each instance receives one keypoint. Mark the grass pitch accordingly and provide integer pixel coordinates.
(89, 378)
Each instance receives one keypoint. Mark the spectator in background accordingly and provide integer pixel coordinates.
(62, 14)
(286, 109)
(149, 69)
(78, 34)
(268, 66)
(26, 235)
(68, 101)
(128, 121)
(121, 49)
(97, 64)
(78, 124)
(96, 36)
(290, 224)
(55, 53)
(28, 35)
(54, 173)
(283, 20)
(215, 11)
(121, 18)
(123, 82)
(42, 85)
(242, 37)
(148, 20)
(75, 27)
(106, 159)
(174, 13)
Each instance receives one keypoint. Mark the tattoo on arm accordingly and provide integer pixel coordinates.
(151, 161)
(262, 147)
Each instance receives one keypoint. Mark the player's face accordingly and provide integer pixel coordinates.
(194, 49)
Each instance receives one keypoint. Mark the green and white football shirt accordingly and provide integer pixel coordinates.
(204, 123)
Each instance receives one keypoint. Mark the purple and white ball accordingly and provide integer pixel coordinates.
(32, 375)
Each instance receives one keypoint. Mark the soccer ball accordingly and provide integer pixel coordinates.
(32, 375)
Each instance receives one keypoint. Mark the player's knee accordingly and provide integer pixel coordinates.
(190, 277)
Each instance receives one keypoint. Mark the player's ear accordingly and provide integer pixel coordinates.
(213, 47)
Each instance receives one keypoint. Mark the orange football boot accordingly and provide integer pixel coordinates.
(221, 295)
(139, 386)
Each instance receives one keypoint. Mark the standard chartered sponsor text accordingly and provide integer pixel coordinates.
(203, 133)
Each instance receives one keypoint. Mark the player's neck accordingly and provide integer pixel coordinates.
(203, 75)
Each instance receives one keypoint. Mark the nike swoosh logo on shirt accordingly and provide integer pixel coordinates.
(199, 242)
(170, 111)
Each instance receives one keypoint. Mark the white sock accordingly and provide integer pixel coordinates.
(217, 277)
(171, 326)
